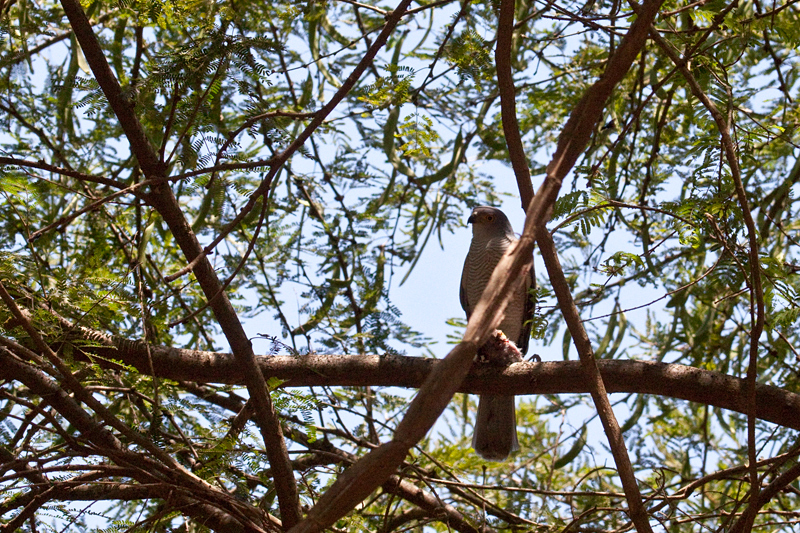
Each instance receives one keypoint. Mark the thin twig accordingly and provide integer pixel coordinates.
(41, 165)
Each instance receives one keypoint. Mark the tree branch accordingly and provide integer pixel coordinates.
(80, 176)
(508, 101)
(689, 383)
(427, 502)
(745, 522)
(143, 468)
(164, 201)
(375, 467)
(70, 490)
(572, 142)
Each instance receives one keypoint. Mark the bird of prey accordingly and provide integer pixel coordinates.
(495, 435)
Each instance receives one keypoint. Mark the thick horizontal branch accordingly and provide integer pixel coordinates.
(774, 404)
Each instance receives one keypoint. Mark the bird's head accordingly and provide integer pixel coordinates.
(490, 221)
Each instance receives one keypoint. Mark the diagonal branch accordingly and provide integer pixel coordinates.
(358, 481)
(277, 162)
(187, 488)
(432, 506)
(164, 201)
(72, 383)
(745, 522)
(572, 142)
(508, 101)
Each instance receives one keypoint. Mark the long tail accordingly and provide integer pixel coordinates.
(495, 434)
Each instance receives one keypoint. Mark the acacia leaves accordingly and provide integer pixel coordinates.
(311, 245)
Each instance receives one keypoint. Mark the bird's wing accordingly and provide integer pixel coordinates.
(529, 311)
(462, 295)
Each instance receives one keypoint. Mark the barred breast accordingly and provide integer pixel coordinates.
(483, 259)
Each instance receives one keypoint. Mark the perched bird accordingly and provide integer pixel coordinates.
(496, 427)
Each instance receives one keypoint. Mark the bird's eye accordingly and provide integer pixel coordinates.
(490, 218)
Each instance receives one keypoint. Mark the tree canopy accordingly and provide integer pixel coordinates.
(172, 171)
